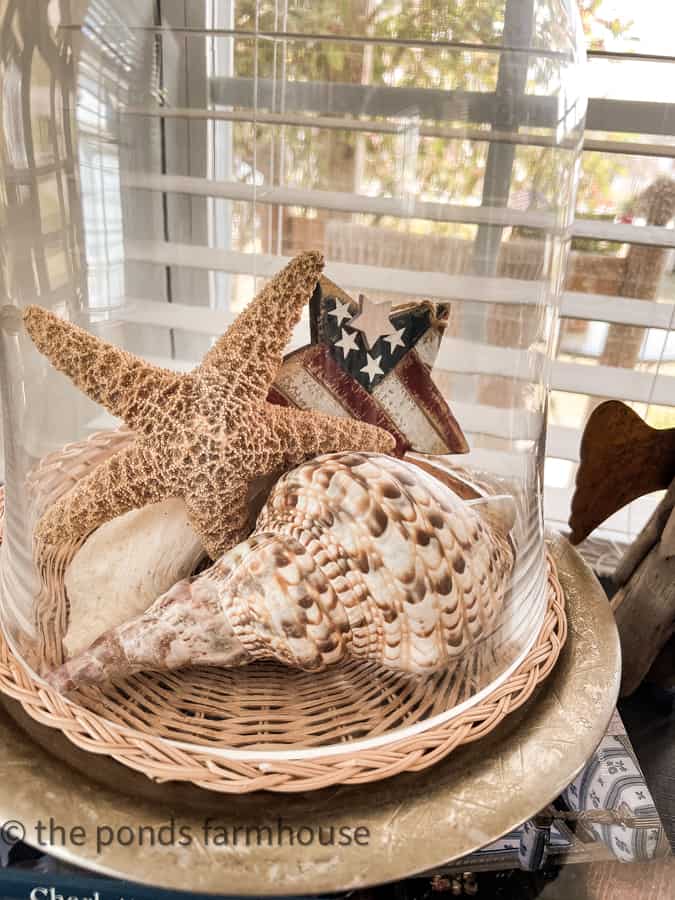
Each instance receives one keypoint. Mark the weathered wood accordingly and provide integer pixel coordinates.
(652, 533)
(644, 605)
(662, 672)
(667, 547)
(621, 458)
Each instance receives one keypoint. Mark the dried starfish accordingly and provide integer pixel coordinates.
(206, 436)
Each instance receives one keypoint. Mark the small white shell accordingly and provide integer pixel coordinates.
(124, 566)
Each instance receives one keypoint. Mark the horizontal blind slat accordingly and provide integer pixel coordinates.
(591, 307)
(575, 305)
(617, 310)
(613, 383)
(652, 235)
(339, 201)
(342, 201)
(604, 114)
(378, 126)
(348, 275)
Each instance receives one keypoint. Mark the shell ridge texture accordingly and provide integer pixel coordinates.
(364, 555)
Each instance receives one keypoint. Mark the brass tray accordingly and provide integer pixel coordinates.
(409, 824)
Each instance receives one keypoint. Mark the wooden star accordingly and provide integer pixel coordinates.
(206, 436)
(373, 320)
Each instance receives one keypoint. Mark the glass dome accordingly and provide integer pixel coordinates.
(159, 167)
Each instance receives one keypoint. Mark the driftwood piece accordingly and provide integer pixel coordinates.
(621, 458)
(662, 672)
(652, 534)
(644, 605)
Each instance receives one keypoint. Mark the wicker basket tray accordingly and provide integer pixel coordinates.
(263, 726)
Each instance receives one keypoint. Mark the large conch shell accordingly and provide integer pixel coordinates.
(354, 554)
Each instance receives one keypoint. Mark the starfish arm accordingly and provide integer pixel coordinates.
(221, 520)
(127, 480)
(304, 434)
(247, 357)
(127, 386)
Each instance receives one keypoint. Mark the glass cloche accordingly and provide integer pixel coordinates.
(160, 165)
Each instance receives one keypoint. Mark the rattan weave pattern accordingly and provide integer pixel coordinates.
(182, 726)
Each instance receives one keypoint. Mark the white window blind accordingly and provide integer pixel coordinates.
(228, 217)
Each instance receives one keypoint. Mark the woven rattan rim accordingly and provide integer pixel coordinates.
(162, 760)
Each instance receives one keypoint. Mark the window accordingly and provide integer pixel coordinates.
(274, 131)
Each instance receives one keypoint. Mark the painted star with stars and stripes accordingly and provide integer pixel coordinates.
(373, 361)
